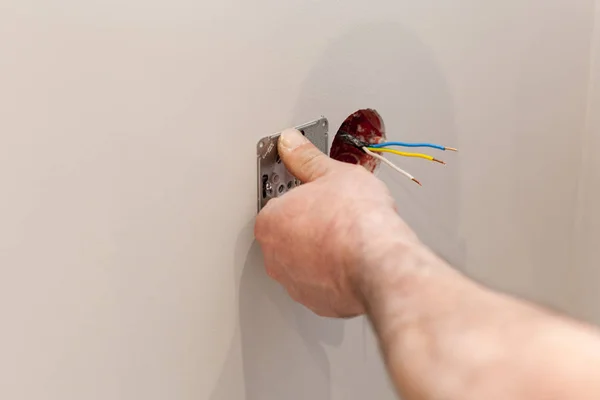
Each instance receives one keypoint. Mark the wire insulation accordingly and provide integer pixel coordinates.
(406, 144)
(404, 154)
(391, 165)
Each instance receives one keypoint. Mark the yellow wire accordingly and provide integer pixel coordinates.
(401, 153)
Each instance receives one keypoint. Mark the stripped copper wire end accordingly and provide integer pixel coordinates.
(390, 164)
(439, 161)
(451, 149)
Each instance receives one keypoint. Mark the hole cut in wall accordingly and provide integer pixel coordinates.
(365, 125)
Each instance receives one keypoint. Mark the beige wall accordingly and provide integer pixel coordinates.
(585, 275)
(127, 137)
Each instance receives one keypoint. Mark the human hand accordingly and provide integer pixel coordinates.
(319, 239)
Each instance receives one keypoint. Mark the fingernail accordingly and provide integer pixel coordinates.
(291, 138)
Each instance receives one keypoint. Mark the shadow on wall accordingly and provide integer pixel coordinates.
(544, 185)
(279, 347)
(382, 66)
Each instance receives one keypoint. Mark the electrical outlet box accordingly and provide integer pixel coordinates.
(273, 179)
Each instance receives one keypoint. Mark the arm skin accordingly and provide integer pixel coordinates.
(442, 335)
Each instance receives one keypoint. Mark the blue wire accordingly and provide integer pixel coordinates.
(404, 144)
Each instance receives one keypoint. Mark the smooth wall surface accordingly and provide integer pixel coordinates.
(585, 275)
(127, 165)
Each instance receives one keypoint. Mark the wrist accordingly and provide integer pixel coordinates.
(397, 270)
(394, 267)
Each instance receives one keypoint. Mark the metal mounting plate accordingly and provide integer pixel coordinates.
(274, 180)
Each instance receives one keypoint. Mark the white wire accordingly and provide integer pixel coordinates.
(389, 163)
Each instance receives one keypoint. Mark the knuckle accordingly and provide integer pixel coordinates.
(271, 273)
(294, 294)
(322, 312)
(312, 165)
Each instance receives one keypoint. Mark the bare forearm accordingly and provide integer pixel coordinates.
(445, 337)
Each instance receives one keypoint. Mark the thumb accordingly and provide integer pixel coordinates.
(305, 161)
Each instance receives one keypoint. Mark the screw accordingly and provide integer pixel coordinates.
(268, 188)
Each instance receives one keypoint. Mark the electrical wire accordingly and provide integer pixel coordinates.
(391, 165)
(406, 144)
(404, 154)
